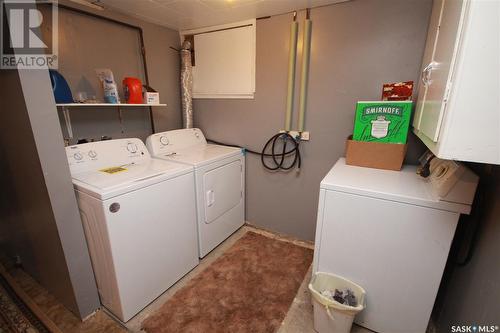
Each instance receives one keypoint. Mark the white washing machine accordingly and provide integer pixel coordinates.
(219, 177)
(387, 231)
(139, 220)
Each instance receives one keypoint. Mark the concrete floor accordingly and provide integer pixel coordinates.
(298, 320)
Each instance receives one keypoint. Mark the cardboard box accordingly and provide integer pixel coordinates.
(152, 97)
(376, 155)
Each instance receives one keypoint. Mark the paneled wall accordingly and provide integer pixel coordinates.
(104, 44)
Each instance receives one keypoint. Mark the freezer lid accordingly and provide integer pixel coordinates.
(201, 155)
(401, 186)
(117, 179)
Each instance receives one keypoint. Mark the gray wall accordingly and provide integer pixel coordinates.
(356, 47)
(470, 294)
(103, 44)
(39, 217)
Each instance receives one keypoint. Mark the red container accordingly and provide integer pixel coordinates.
(132, 88)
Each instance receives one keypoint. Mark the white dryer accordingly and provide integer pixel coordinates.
(219, 177)
(139, 220)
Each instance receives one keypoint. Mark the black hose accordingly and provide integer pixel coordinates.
(278, 158)
(479, 217)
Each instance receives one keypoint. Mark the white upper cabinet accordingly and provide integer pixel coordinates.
(437, 71)
(224, 64)
(458, 108)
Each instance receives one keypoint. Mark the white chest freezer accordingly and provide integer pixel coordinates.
(386, 231)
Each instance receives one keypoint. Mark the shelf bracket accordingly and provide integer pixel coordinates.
(120, 116)
(67, 120)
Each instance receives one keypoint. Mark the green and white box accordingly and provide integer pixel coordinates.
(382, 121)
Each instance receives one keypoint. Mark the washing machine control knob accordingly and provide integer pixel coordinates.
(92, 154)
(131, 147)
(164, 140)
(77, 156)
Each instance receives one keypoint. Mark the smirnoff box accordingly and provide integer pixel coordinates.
(382, 121)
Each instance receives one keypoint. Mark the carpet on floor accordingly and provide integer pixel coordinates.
(15, 316)
(248, 289)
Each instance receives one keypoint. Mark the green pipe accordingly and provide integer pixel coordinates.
(291, 73)
(306, 54)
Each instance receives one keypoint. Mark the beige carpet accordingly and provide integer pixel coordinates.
(248, 289)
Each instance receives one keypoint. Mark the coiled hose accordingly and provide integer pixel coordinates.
(278, 156)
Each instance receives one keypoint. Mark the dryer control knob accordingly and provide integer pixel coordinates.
(77, 156)
(164, 140)
(92, 154)
(131, 147)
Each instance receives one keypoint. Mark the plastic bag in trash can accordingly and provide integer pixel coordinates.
(330, 315)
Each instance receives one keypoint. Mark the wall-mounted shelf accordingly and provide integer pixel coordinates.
(104, 104)
(67, 119)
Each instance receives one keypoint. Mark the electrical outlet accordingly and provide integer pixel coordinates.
(304, 136)
(294, 134)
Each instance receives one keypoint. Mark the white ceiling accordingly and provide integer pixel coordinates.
(191, 14)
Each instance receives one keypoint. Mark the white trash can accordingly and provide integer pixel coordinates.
(329, 315)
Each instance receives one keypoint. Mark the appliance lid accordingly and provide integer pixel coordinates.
(201, 155)
(113, 180)
(401, 186)
(173, 141)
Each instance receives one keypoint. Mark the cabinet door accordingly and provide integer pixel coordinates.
(430, 46)
(225, 63)
(437, 74)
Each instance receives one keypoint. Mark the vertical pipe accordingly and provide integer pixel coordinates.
(304, 76)
(186, 84)
(291, 72)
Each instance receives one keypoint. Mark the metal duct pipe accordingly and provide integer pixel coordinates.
(186, 85)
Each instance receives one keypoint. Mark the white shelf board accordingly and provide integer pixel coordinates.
(104, 104)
